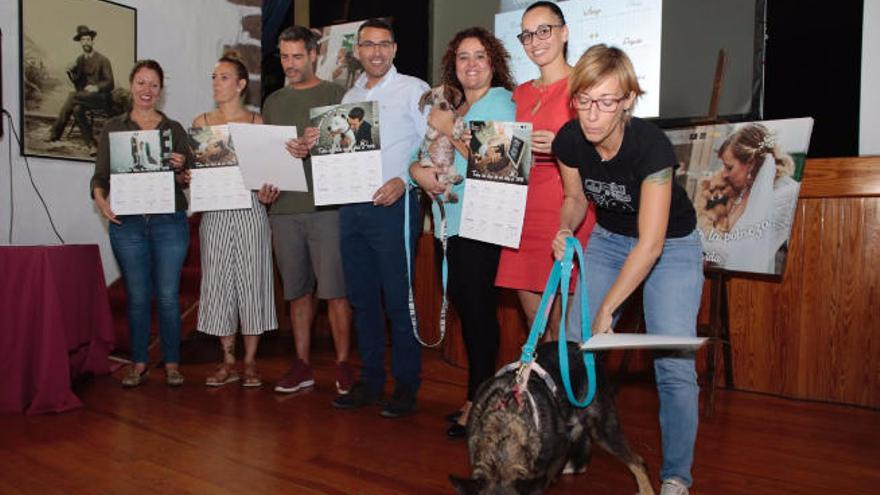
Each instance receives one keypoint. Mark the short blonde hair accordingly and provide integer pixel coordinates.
(600, 62)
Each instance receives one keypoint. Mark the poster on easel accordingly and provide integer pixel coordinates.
(496, 183)
(743, 180)
(141, 178)
(347, 158)
(216, 182)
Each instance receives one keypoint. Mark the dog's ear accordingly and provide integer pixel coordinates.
(426, 98)
(467, 486)
(534, 486)
(453, 96)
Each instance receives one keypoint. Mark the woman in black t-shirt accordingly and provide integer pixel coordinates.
(645, 232)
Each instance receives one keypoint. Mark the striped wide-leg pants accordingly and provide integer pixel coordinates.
(237, 277)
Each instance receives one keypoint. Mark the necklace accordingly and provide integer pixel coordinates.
(742, 194)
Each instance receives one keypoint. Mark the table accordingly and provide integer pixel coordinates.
(55, 325)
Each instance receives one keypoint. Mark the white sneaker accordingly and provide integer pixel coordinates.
(673, 486)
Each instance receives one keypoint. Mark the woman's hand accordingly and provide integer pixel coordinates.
(268, 194)
(602, 322)
(559, 243)
(426, 178)
(442, 120)
(104, 207)
(177, 161)
(542, 141)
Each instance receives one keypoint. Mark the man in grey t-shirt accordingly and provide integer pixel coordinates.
(306, 239)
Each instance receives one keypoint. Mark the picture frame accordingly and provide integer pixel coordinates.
(74, 60)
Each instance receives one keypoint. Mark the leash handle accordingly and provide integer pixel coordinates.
(571, 243)
(444, 272)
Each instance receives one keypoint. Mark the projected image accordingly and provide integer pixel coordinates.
(634, 27)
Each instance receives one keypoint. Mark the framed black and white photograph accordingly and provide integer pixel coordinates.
(75, 57)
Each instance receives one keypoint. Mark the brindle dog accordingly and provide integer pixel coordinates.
(518, 443)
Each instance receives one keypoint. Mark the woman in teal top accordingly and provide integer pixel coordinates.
(475, 63)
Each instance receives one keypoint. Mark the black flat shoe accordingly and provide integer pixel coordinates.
(456, 431)
(453, 416)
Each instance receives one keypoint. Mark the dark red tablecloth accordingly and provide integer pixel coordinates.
(55, 325)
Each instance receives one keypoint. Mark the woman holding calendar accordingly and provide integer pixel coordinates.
(150, 249)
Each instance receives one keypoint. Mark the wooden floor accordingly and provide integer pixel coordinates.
(230, 440)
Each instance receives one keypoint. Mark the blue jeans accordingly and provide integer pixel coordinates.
(671, 302)
(150, 250)
(374, 265)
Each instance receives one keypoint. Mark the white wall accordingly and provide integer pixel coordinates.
(869, 113)
(186, 37)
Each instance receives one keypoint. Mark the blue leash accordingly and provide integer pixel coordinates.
(444, 272)
(559, 277)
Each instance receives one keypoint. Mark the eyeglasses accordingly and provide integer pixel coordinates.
(369, 45)
(607, 104)
(542, 33)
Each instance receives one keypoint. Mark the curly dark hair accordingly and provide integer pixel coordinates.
(498, 57)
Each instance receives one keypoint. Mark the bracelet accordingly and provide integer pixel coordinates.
(565, 230)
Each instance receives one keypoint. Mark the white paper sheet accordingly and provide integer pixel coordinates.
(142, 193)
(263, 158)
(218, 188)
(346, 177)
(607, 341)
(493, 212)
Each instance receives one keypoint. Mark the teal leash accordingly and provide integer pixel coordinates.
(559, 277)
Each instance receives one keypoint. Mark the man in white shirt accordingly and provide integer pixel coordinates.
(372, 235)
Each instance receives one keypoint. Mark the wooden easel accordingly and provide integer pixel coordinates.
(718, 328)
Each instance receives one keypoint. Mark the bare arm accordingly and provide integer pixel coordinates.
(656, 197)
(574, 207)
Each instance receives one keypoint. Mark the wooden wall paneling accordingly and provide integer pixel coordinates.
(841, 177)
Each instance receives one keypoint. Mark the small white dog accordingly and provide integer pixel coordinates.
(341, 133)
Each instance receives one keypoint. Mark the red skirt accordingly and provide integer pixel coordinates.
(528, 267)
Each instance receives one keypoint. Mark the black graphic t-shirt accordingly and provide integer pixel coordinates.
(615, 186)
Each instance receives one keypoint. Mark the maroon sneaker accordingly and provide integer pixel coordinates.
(344, 377)
(298, 377)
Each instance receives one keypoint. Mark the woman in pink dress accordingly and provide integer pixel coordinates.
(545, 103)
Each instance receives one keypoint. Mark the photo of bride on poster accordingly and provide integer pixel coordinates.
(744, 181)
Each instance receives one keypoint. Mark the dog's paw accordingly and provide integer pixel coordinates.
(571, 469)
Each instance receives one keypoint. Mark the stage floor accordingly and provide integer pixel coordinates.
(233, 440)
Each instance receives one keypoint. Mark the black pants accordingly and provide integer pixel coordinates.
(471, 290)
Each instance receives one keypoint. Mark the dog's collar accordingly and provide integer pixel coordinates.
(516, 367)
(542, 373)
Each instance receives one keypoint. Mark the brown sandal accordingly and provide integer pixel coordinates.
(225, 374)
(251, 376)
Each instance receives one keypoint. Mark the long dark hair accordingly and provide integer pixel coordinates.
(498, 57)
